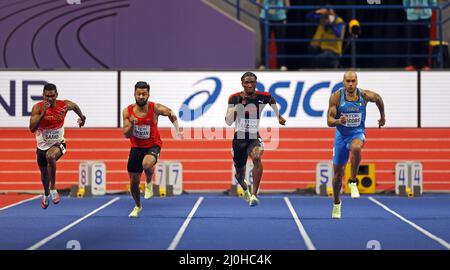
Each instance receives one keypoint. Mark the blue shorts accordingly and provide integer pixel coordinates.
(341, 149)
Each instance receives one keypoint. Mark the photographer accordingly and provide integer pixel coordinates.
(327, 41)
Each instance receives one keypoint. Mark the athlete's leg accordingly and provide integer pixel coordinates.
(44, 179)
(256, 155)
(340, 159)
(356, 147)
(240, 161)
(240, 175)
(134, 167)
(337, 182)
(148, 164)
(42, 163)
(52, 155)
(135, 180)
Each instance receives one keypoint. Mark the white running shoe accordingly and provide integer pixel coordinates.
(253, 201)
(354, 192)
(135, 212)
(55, 196)
(148, 191)
(336, 210)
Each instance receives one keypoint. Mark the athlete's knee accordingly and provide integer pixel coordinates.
(338, 175)
(256, 160)
(50, 156)
(355, 148)
(148, 166)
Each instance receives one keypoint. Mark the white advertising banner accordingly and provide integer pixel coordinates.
(435, 98)
(302, 96)
(95, 92)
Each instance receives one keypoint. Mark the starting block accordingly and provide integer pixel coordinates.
(408, 179)
(92, 177)
(168, 179)
(324, 178)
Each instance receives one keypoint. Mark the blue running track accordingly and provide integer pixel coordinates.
(218, 222)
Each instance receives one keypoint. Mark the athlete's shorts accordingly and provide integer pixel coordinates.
(242, 148)
(137, 155)
(341, 150)
(41, 155)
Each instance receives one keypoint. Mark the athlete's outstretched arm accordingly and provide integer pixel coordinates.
(274, 106)
(128, 124)
(36, 117)
(332, 111)
(72, 106)
(374, 97)
(165, 111)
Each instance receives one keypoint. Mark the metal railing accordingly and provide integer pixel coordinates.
(441, 23)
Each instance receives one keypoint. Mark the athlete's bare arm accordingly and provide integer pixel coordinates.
(274, 106)
(128, 124)
(36, 117)
(332, 111)
(230, 117)
(374, 97)
(72, 106)
(165, 111)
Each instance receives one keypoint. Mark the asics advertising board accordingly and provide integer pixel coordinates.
(200, 98)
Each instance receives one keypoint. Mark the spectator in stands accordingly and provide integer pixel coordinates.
(327, 41)
(274, 16)
(414, 30)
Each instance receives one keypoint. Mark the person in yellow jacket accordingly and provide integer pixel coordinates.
(327, 41)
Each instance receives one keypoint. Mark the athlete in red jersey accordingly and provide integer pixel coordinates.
(47, 122)
(140, 124)
(245, 108)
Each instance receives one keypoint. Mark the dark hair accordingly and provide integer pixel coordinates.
(50, 87)
(248, 74)
(142, 85)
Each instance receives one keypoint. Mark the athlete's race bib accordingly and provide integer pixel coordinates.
(141, 132)
(247, 125)
(52, 135)
(353, 119)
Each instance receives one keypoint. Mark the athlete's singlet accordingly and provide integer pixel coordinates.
(145, 131)
(51, 129)
(249, 111)
(355, 112)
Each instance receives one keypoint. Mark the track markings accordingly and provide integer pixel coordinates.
(56, 234)
(309, 244)
(415, 226)
(176, 240)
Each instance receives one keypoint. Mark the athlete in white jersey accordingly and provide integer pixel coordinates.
(47, 122)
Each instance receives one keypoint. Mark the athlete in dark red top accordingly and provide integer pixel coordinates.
(47, 122)
(245, 108)
(140, 124)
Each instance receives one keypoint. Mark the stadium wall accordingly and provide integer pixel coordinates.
(291, 152)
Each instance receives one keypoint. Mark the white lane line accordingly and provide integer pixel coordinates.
(309, 244)
(415, 226)
(180, 232)
(17, 203)
(56, 234)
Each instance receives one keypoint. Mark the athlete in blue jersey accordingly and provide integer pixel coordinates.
(347, 112)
